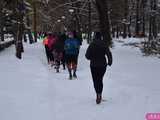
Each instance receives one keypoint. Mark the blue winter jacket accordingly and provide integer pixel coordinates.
(71, 46)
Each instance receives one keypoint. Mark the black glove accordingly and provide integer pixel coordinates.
(109, 63)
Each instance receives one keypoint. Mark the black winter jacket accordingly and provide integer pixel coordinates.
(96, 54)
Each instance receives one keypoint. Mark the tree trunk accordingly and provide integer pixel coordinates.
(1, 22)
(143, 18)
(137, 19)
(150, 28)
(89, 22)
(35, 21)
(154, 28)
(30, 36)
(25, 37)
(113, 32)
(125, 18)
(29, 31)
(150, 22)
(2, 33)
(117, 31)
(19, 44)
(102, 7)
(129, 27)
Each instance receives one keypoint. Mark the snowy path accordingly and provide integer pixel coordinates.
(31, 90)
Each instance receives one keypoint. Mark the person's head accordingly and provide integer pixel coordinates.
(45, 34)
(70, 35)
(75, 33)
(98, 36)
(49, 34)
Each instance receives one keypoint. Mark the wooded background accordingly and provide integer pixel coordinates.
(114, 18)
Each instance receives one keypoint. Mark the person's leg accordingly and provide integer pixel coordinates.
(63, 63)
(57, 57)
(97, 75)
(68, 62)
(57, 65)
(63, 60)
(70, 73)
(95, 78)
(47, 53)
(75, 57)
(51, 58)
(100, 84)
(102, 71)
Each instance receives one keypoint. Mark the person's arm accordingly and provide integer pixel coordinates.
(109, 56)
(88, 53)
(77, 43)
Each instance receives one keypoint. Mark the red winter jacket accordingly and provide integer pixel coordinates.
(51, 42)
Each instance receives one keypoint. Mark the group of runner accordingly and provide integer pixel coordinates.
(63, 48)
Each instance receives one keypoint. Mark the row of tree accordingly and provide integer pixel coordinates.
(137, 18)
(15, 20)
(44, 14)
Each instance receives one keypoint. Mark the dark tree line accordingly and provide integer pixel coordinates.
(136, 18)
(114, 18)
(15, 20)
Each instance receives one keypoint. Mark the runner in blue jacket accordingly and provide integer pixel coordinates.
(71, 47)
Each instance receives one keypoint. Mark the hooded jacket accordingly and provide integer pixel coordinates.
(96, 53)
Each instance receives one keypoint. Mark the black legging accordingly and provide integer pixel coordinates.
(63, 60)
(97, 76)
(47, 52)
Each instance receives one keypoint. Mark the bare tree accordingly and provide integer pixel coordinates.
(102, 7)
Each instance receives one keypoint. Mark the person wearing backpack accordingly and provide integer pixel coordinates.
(96, 53)
(71, 48)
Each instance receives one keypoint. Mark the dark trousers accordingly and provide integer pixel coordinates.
(47, 52)
(51, 57)
(97, 76)
(63, 60)
(71, 61)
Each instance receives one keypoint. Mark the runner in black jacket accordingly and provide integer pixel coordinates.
(96, 53)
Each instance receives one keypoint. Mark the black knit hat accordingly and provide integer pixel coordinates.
(98, 36)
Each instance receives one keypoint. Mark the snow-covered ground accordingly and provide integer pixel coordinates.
(31, 90)
(8, 38)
